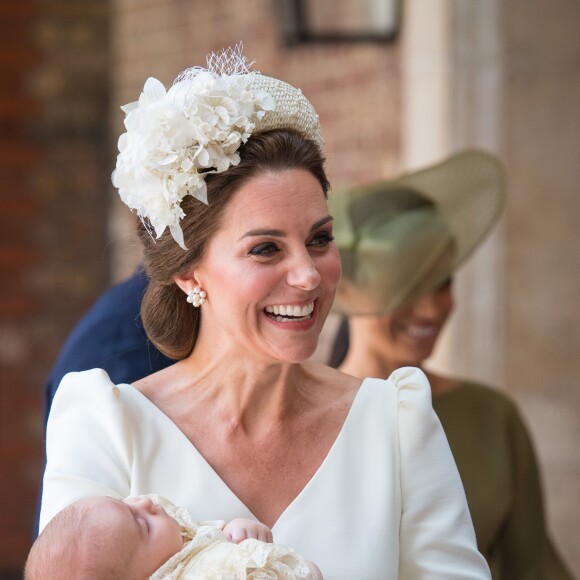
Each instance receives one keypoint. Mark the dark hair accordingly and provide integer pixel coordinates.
(340, 345)
(169, 321)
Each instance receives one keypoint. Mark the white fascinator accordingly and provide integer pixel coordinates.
(174, 138)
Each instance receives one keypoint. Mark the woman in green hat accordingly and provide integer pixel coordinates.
(400, 243)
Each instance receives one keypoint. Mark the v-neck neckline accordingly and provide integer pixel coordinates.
(318, 474)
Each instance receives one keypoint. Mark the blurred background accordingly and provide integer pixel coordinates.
(398, 84)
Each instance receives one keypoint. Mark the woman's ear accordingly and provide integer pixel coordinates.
(189, 283)
(187, 280)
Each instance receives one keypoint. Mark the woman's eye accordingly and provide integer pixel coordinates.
(264, 250)
(322, 240)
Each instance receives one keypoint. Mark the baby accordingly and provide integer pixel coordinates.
(101, 538)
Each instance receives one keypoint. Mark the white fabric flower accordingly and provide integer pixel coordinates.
(175, 137)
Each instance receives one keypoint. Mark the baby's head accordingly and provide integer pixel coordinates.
(100, 538)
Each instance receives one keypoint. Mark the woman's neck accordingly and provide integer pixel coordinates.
(366, 359)
(246, 391)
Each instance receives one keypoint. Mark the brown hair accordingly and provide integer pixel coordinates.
(169, 321)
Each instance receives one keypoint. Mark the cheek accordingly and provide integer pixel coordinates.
(330, 267)
(386, 331)
(386, 327)
(242, 288)
(234, 278)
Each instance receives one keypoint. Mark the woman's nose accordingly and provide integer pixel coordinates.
(303, 273)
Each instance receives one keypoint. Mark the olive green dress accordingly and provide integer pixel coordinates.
(497, 464)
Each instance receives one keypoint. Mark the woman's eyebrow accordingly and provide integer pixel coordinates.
(282, 234)
(321, 222)
(273, 233)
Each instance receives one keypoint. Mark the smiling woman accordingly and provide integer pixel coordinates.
(274, 247)
(252, 245)
(226, 170)
(402, 241)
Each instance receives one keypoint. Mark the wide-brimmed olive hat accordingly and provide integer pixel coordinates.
(400, 239)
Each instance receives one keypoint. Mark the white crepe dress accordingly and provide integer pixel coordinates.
(386, 502)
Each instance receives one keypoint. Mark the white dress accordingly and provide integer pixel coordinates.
(385, 503)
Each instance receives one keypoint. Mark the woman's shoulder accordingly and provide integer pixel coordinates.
(401, 378)
(87, 433)
(410, 383)
(406, 383)
(96, 379)
(92, 390)
(473, 403)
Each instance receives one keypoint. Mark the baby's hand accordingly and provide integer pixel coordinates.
(241, 529)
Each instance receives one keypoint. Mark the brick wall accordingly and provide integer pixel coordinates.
(55, 160)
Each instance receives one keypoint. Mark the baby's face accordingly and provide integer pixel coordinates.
(139, 528)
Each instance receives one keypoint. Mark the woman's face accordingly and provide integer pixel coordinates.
(271, 270)
(408, 335)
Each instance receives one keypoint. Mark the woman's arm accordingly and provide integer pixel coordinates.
(437, 540)
(88, 443)
(525, 547)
